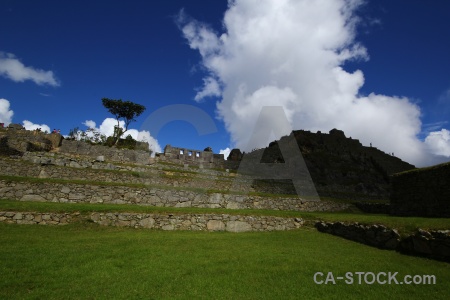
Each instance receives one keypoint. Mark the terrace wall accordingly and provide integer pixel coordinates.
(141, 156)
(422, 192)
(197, 222)
(153, 196)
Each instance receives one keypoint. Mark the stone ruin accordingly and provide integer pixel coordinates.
(191, 157)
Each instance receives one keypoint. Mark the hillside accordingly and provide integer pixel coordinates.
(340, 167)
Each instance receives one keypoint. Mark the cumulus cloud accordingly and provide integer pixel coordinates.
(225, 152)
(31, 126)
(210, 88)
(107, 129)
(439, 142)
(6, 113)
(291, 54)
(90, 124)
(12, 68)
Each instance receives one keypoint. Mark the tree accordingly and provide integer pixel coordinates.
(125, 110)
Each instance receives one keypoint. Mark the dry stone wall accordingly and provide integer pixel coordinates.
(152, 196)
(111, 153)
(433, 244)
(35, 218)
(374, 235)
(47, 166)
(16, 141)
(194, 222)
(423, 192)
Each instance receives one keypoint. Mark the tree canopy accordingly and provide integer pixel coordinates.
(125, 110)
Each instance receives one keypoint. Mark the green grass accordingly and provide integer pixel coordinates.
(404, 224)
(93, 262)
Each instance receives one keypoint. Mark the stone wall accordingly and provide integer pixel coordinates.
(197, 222)
(15, 141)
(203, 159)
(153, 196)
(49, 165)
(34, 218)
(205, 222)
(18, 141)
(422, 192)
(108, 153)
(432, 244)
(374, 235)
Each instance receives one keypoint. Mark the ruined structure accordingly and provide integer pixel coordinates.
(15, 140)
(202, 159)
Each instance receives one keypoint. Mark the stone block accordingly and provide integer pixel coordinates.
(238, 226)
(147, 222)
(18, 216)
(168, 227)
(65, 190)
(43, 174)
(215, 225)
(74, 164)
(73, 196)
(36, 198)
(233, 205)
(215, 198)
(183, 204)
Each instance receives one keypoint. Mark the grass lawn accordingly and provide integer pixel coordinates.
(85, 261)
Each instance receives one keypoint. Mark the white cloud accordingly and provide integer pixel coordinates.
(146, 137)
(6, 113)
(225, 152)
(107, 129)
(210, 88)
(12, 68)
(439, 142)
(31, 126)
(291, 54)
(89, 124)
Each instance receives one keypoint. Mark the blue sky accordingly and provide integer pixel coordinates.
(379, 70)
